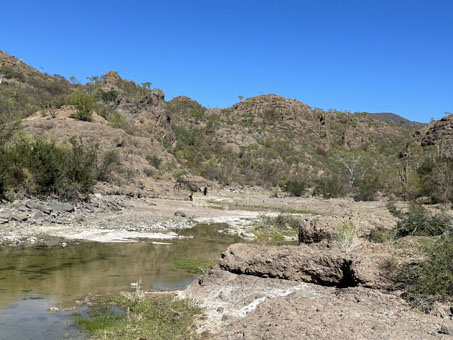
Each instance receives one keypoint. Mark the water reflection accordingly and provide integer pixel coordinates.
(66, 274)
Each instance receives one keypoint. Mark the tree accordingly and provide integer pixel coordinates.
(356, 164)
(147, 85)
(241, 98)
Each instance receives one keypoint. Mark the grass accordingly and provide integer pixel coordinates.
(346, 237)
(193, 266)
(256, 207)
(272, 230)
(135, 316)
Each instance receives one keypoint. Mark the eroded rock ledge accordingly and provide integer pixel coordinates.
(315, 263)
(292, 292)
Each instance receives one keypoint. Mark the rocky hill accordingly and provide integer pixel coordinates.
(266, 140)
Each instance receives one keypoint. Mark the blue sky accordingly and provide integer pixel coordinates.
(359, 55)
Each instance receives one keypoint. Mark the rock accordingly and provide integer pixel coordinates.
(18, 218)
(310, 263)
(180, 213)
(270, 308)
(45, 209)
(32, 204)
(68, 207)
(438, 132)
(96, 204)
(313, 230)
(446, 328)
(3, 220)
(38, 215)
(54, 309)
(57, 206)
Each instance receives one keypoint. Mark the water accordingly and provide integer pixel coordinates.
(34, 279)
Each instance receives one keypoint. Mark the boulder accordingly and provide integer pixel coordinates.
(180, 213)
(44, 208)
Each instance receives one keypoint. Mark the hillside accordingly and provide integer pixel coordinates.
(266, 140)
(396, 119)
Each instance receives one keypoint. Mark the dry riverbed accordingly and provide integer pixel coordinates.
(115, 218)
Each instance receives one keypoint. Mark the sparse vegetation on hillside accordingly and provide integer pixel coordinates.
(44, 167)
(265, 141)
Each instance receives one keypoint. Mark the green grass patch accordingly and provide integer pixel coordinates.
(150, 317)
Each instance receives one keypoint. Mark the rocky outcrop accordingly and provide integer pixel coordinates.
(144, 106)
(252, 308)
(318, 228)
(185, 101)
(438, 133)
(320, 264)
(273, 107)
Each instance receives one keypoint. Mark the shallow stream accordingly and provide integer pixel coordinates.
(34, 279)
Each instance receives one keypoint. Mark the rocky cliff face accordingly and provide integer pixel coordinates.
(144, 107)
(439, 132)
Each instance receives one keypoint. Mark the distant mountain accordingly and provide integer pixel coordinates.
(395, 119)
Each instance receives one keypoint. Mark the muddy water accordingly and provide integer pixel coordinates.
(34, 279)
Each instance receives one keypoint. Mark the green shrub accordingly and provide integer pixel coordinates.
(329, 188)
(436, 178)
(381, 235)
(296, 188)
(149, 172)
(42, 167)
(417, 221)
(154, 161)
(107, 96)
(110, 163)
(118, 121)
(85, 105)
(367, 189)
(282, 222)
(430, 280)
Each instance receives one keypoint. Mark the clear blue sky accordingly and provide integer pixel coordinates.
(357, 55)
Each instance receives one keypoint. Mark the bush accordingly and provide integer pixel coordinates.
(296, 188)
(118, 121)
(329, 188)
(367, 189)
(110, 162)
(41, 167)
(417, 221)
(154, 161)
(381, 235)
(107, 96)
(346, 237)
(282, 222)
(436, 179)
(430, 280)
(85, 105)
